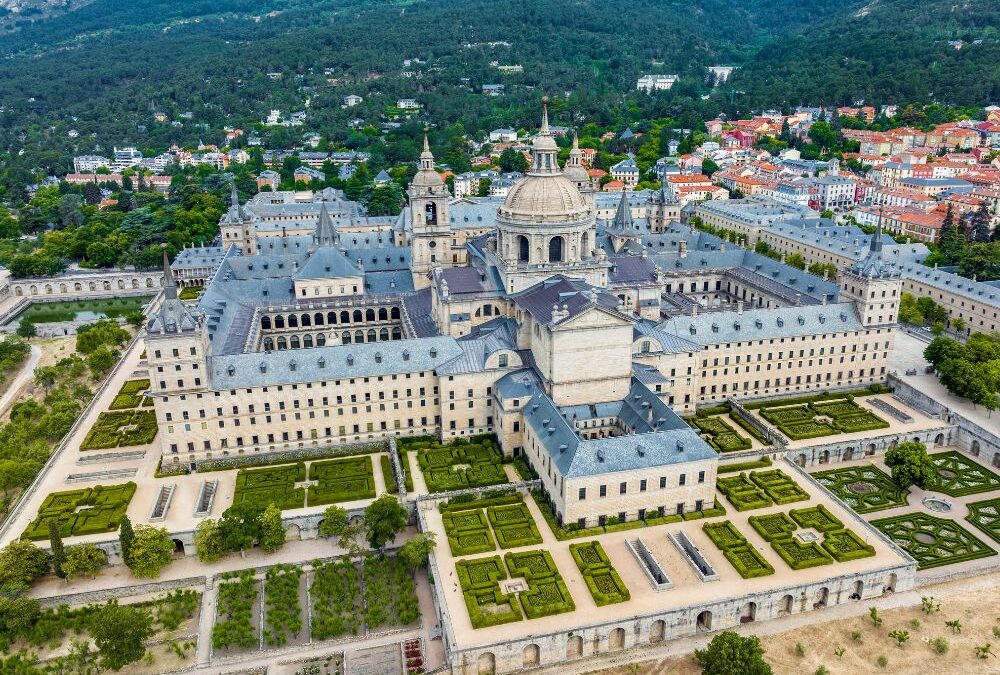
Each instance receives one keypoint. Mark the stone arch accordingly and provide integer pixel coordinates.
(704, 621)
(320, 340)
(574, 647)
(279, 321)
(282, 344)
(149, 282)
(848, 454)
(616, 640)
(293, 321)
(890, 584)
(383, 314)
(871, 450)
(63, 289)
(801, 460)
(268, 344)
(18, 291)
(748, 612)
(265, 322)
(824, 457)
(369, 314)
(530, 656)
(305, 320)
(556, 246)
(121, 284)
(523, 248)
(345, 317)
(357, 316)
(372, 335)
(135, 283)
(893, 443)
(307, 341)
(939, 440)
(293, 342)
(178, 548)
(975, 448)
(359, 336)
(293, 532)
(383, 334)
(331, 318)
(822, 597)
(657, 631)
(345, 337)
(996, 460)
(858, 591)
(93, 286)
(107, 285)
(487, 663)
(394, 313)
(785, 605)
(48, 288)
(397, 333)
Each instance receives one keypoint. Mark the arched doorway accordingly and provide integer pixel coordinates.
(996, 460)
(975, 448)
(939, 440)
(824, 457)
(822, 597)
(178, 548)
(556, 249)
(704, 622)
(871, 449)
(801, 460)
(859, 590)
(530, 656)
(574, 647)
(522, 249)
(785, 605)
(487, 663)
(748, 612)
(657, 631)
(293, 533)
(616, 641)
(890, 586)
(848, 454)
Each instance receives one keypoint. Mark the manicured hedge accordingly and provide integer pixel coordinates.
(128, 396)
(465, 502)
(724, 535)
(387, 475)
(933, 541)
(748, 562)
(599, 574)
(800, 556)
(964, 476)
(721, 436)
(513, 525)
(273, 484)
(825, 396)
(845, 545)
(817, 517)
(105, 506)
(744, 466)
(478, 580)
(742, 493)
(779, 486)
(342, 480)
(798, 420)
(747, 427)
(121, 428)
(547, 593)
(438, 464)
(772, 526)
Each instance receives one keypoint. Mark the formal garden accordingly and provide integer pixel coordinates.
(95, 510)
(471, 463)
(863, 488)
(130, 396)
(933, 541)
(799, 552)
(820, 417)
(985, 515)
(958, 475)
(121, 428)
(740, 554)
(544, 592)
(473, 527)
(719, 434)
(324, 482)
(599, 574)
(759, 489)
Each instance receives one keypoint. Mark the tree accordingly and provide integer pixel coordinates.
(272, 531)
(384, 519)
(731, 654)
(69, 211)
(21, 562)
(120, 633)
(92, 194)
(952, 241)
(873, 614)
(415, 552)
(152, 550)
(708, 167)
(84, 559)
(26, 329)
(101, 360)
(512, 160)
(126, 537)
(900, 636)
(822, 134)
(56, 549)
(240, 525)
(910, 464)
(979, 224)
(208, 540)
(18, 613)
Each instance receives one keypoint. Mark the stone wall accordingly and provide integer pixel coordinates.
(846, 451)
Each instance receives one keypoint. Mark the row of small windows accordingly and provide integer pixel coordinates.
(330, 318)
(602, 490)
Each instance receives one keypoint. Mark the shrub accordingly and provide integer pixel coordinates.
(547, 593)
(337, 599)
(817, 517)
(845, 545)
(800, 556)
(94, 510)
(439, 464)
(772, 526)
(342, 480)
(940, 645)
(724, 535)
(283, 613)
(487, 606)
(235, 625)
(741, 493)
(121, 428)
(744, 466)
(748, 562)
(601, 578)
(777, 485)
(467, 532)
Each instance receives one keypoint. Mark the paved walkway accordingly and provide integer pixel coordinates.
(23, 377)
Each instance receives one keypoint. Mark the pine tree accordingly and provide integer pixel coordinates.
(56, 549)
(952, 243)
(979, 224)
(126, 537)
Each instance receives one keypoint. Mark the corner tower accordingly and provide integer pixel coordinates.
(431, 234)
(873, 286)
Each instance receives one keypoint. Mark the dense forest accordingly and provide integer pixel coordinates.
(92, 78)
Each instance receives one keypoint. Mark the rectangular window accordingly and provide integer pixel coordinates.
(583, 493)
(604, 490)
(623, 488)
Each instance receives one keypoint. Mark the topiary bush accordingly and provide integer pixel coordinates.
(95, 510)
(844, 545)
(603, 581)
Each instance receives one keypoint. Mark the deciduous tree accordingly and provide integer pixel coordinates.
(120, 633)
(731, 654)
(384, 519)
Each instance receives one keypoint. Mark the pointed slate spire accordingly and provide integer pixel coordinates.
(172, 316)
(169, 284)
(326, 234)
(544, 131)
(875, 246)
(623, 216)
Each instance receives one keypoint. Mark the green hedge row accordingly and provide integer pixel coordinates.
(272, 485)
(816, 517)
(342, 480)
(825, 396)
(845, 545)
(800, 556)
(95, 510)
(468, 532)
(747, 427)
(721, 436)
(744, 466)
(513, 525)
(439, 464)
(779, 486)
(487, 606)
(748, 562)
(742, 493)
(772, 526)
(603, 581)
(121, 428)
(547, 593)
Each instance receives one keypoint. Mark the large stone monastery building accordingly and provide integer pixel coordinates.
(573, 328)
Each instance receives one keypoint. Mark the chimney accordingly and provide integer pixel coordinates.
(682, 248)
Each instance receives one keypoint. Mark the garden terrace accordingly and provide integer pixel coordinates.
(838, 543)
(341, 480)
(933, 541)
(486, 603)
(468, 527)
(272, 485)
(130, 396)
(864, 488)
(513, 525)
(779, 486)
(818, 418)
(720, 435)
(959, 476)
(95, 510)
(547, 593)
(742, 493)
(605, 586)
(743, 557)
(120, 429)
(985, 515)
(238, 605)
(459, 465)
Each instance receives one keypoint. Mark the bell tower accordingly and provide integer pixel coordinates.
(430, 231)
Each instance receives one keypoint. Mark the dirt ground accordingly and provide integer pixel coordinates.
(978, 610)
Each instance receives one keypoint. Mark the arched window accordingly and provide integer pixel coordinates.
(383, 334)
(556, 249)
(268, 344)
(306, 320)
(397, 334)
(372, 335)
(265, 322)
(430, 213)
(359, 336)
(358, 316)
(318, 319)
(345, 337)
(294, 342)
(279, 321)
(369, 314)
(394, 313)
(282, 344)
(522, 249)
(293, 321)
(320, 340)
(383, 314)
(345, 317)
(307, 341)
(331, 318)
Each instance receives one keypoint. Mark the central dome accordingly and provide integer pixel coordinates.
(549, 198)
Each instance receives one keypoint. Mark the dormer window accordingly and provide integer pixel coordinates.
(802, 320)
(502, 361)
(715, 327)
(231, 370)
(378, 357)
(434, 352)
(781, 323)
(263, 367)
(406, 354)
(350, 359)
(322, 362)
(292, 365)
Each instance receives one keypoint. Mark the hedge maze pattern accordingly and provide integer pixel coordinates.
(760, 488)
(486, 604)
(822, 418)
(720, 435)
(95, 510)
(330, 482)
(129, 396)
(958, 476)
(743, 557)
(839, 543)
(121, 428)
(461, 465)
(933, 541)
(864, 488)
(467, 532)
(601, 578)
(547, 593)
(985, 515)
(513, 525)
(468, 529)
